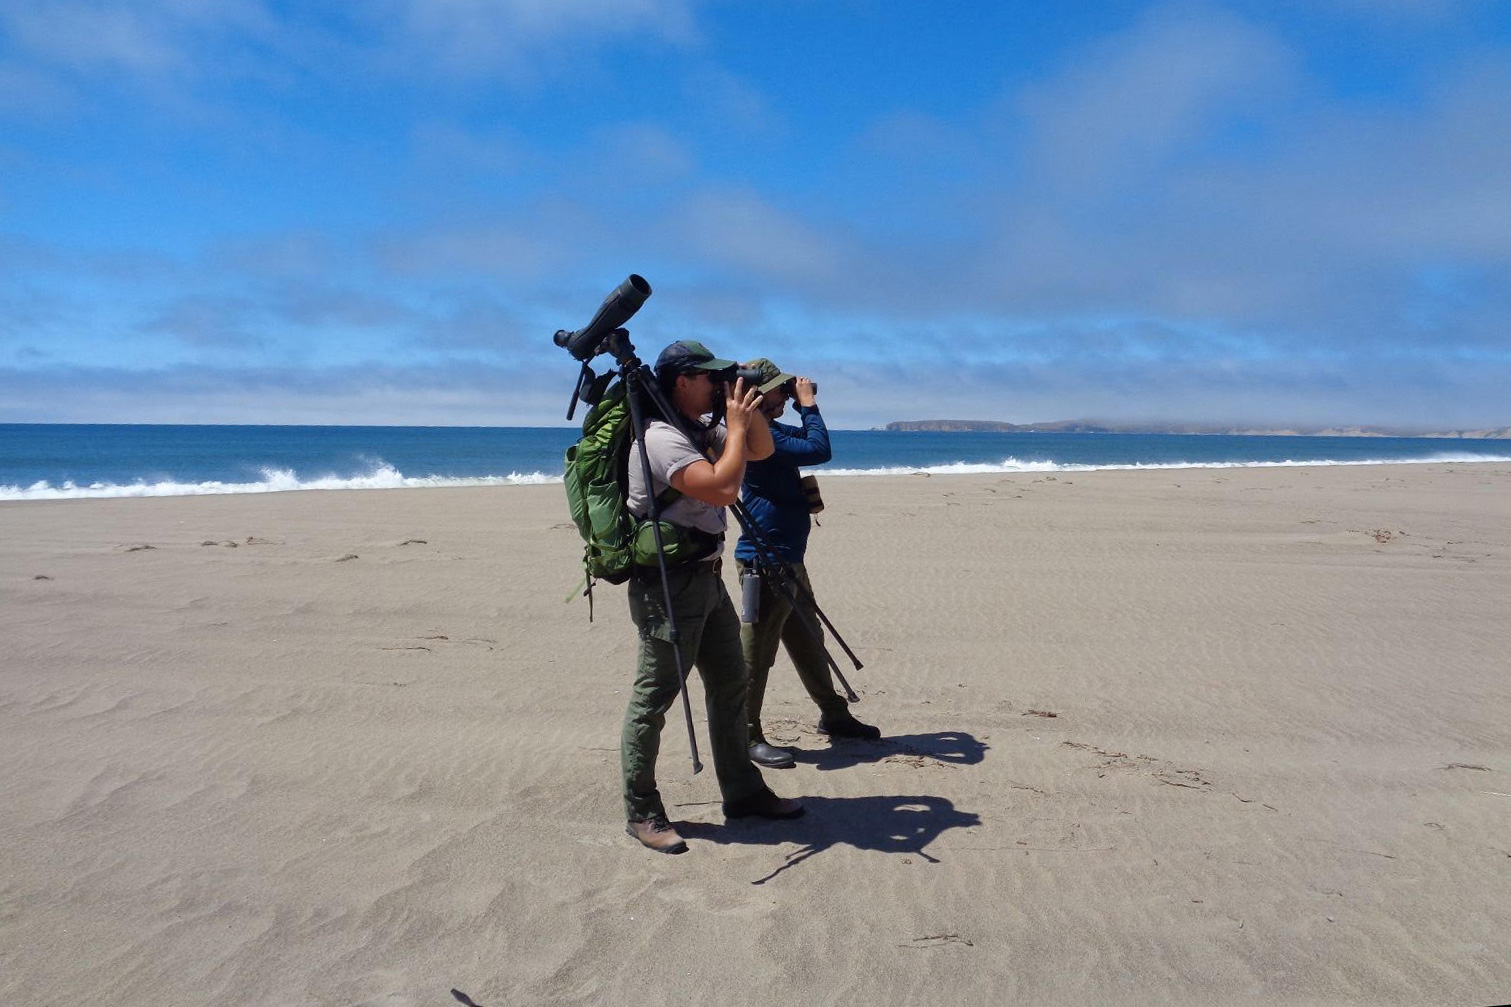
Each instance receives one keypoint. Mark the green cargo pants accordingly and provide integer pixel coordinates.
(759, 642)
(709, 631)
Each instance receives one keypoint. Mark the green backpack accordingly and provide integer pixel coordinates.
(597, 484)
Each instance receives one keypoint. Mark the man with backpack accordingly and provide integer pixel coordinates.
(779, 507)
(694, 479)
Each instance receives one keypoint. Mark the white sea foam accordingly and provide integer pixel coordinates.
(382, 476)
(385, 476)
(1016, 465)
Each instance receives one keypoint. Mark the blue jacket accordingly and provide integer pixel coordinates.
(773, 490)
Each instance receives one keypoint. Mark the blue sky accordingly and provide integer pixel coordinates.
(1283, 212)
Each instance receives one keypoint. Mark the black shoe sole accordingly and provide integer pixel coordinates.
(849, 734)
(737, 813)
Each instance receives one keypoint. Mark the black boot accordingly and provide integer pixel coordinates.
(846, 726)
(769, 756)
(763, 804)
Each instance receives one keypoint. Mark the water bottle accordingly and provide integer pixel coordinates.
(750, 596)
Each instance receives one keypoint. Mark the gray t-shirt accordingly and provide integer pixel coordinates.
(670, 452)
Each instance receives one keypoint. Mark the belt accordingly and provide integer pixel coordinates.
(714, 566)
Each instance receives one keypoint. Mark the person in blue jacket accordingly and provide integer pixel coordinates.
(774, 497)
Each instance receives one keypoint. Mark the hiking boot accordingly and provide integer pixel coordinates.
(763, 804)
(657, 834)
(846, 726)
(764, 754)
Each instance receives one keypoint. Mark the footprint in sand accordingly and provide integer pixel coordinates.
(916, 762)
(938, 941)
(429, 640)
(1162, 772)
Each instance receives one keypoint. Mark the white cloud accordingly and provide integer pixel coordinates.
(445, 148)
(480, 30)
(177, 40)
(1401, 11)
(214, 322)
(1177, 218)
(504, 251)
(644, 153)
(286, 256)
(1316, 221)
(739, 229)
(87, 35)
(151, 37)
(730, 103)
(1133, 100)
(516, 39)
(26, 91)
(466, 393)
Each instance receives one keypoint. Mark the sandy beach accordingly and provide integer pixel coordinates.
(1195, 737)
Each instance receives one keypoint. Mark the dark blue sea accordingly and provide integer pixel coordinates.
(50, 461)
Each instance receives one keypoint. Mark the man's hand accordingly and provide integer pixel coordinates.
(747, 437)
(802, 390)
(742, 406)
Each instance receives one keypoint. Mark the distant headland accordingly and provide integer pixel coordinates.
(1099, 427)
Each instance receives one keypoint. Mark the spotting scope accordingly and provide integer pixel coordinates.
(617, 308)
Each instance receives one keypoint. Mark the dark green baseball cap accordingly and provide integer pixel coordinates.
(772, 376)
(689, 355)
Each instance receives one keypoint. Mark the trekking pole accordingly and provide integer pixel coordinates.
(632, 377)
(789, 584)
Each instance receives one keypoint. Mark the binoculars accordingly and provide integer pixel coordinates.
(731, 374)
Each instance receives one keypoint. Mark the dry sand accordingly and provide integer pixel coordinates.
(1176, 736)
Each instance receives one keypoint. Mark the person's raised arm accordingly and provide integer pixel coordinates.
(718, 482)
(758, 440)
(810, 445)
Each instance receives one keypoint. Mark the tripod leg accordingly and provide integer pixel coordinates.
(772, 560)
(840, 675)
(637, 424)
(785, 585)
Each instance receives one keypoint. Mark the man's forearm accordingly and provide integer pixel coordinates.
(808, 445)
(729, 470)
(758, 441)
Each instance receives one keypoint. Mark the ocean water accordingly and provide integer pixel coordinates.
(53, 461)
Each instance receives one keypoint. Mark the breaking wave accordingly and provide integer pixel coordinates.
(1016, 465)
(385, 476)
(382, 477)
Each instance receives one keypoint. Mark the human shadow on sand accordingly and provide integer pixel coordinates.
(897, 824)
(953, 747)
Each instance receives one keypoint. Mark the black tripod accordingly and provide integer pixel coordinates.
(792, 589)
